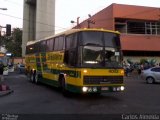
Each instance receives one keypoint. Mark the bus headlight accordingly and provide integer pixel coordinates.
(122, 88)
(84, 89)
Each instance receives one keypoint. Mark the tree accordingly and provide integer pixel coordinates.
(13, 43)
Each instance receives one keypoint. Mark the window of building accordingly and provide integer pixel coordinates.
(137, 26)
(152, 28)
(121, 25)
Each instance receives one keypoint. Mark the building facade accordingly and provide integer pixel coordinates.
(38, 20)
(139, 27)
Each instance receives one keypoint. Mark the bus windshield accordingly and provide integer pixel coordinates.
(100, 49)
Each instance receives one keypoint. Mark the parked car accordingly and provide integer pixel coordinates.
(151, 75)
(21, 68)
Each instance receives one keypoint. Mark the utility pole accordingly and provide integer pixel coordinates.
(72, 21)
(90, 21)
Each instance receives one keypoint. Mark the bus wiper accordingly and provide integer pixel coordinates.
(110, 64)
(93, 44)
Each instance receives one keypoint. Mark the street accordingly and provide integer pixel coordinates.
(29, 98)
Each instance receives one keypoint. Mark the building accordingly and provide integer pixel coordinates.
(38, 20)
(139, 27)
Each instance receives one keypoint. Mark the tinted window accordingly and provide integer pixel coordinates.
(68, 41)
(56, 43)
(37, 46)
(71, 41)
(30, 49)
(43, 46)
(61, 43)
(111, 40)
(156, 69)
(50, 44)
(91, 38)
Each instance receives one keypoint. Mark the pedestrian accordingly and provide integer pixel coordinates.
(1, 71)
(139, 70)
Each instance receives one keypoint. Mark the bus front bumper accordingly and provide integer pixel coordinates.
(95, 89)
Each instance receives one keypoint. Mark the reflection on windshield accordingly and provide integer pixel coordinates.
(100, 56)
(92, 55)
(99, 49)
(112, 58)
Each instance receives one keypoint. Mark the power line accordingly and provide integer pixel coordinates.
(15, 3)
(29, 20)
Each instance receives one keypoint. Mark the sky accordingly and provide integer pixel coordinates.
(66, 10)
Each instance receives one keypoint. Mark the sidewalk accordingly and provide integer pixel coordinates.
(4, 88)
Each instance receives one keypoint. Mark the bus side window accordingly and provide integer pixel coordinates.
(72, 56)
(69, 57)
(66, 57)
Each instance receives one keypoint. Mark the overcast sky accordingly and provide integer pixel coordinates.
(66, 10)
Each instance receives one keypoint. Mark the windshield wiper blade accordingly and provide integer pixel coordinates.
(93, 44)
(110, 64)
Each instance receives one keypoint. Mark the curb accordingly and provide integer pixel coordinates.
(3, 93)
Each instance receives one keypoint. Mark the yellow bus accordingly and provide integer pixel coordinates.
(78, 61)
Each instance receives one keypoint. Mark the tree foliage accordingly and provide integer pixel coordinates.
(13, 43)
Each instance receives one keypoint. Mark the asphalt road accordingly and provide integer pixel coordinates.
(28, 98)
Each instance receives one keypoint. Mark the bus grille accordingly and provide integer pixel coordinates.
(88, 80)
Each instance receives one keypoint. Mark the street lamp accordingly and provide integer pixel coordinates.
(3, 9)
(72, 21)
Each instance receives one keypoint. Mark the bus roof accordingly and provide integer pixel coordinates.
(67, 32)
